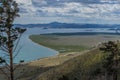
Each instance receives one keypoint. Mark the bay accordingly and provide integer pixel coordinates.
(30, 51)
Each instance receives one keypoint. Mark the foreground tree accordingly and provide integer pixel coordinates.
(9, 37)
(111, 63)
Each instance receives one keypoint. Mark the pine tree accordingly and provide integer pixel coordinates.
(111, 62)
(9, 36)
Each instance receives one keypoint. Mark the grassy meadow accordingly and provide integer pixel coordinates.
(71, 43)
(58, 43)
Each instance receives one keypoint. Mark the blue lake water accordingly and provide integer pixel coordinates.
(32, 51)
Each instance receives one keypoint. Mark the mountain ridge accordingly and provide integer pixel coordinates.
(68, 25)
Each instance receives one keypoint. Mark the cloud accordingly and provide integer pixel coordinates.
(110, 1)
(39, 3)
(76, 10)
(26, 2)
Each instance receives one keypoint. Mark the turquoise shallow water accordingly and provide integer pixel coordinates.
(31, 51)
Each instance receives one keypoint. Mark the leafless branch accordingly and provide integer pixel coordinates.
(17, 52)
(2, 70)
(17, 43)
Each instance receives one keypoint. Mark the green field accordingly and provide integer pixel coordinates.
(71, 43)
(58, 43)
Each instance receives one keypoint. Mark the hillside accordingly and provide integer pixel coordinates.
(72, 66)
(82, 67)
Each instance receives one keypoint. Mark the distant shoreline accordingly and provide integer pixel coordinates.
(84, 33)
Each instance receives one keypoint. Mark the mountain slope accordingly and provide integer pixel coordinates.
(82, 67)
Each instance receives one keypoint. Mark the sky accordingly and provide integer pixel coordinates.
(69, 11)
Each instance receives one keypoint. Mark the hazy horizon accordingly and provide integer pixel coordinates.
(70, 23)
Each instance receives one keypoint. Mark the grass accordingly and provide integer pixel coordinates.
(81, 67)
(54, 42)
(64, 42)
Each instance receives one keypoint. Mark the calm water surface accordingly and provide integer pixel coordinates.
(31, 51)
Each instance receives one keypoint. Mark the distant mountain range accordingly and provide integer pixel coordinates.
(68, 25)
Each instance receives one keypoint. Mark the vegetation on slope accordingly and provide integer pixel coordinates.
(82, 67)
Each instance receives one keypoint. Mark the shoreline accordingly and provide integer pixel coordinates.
(71, 53)
(43, 46)
(56, 59)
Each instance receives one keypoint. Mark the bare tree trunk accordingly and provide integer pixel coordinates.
(10, 49)
(114, 77)
(11, 66)
(116, 67)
